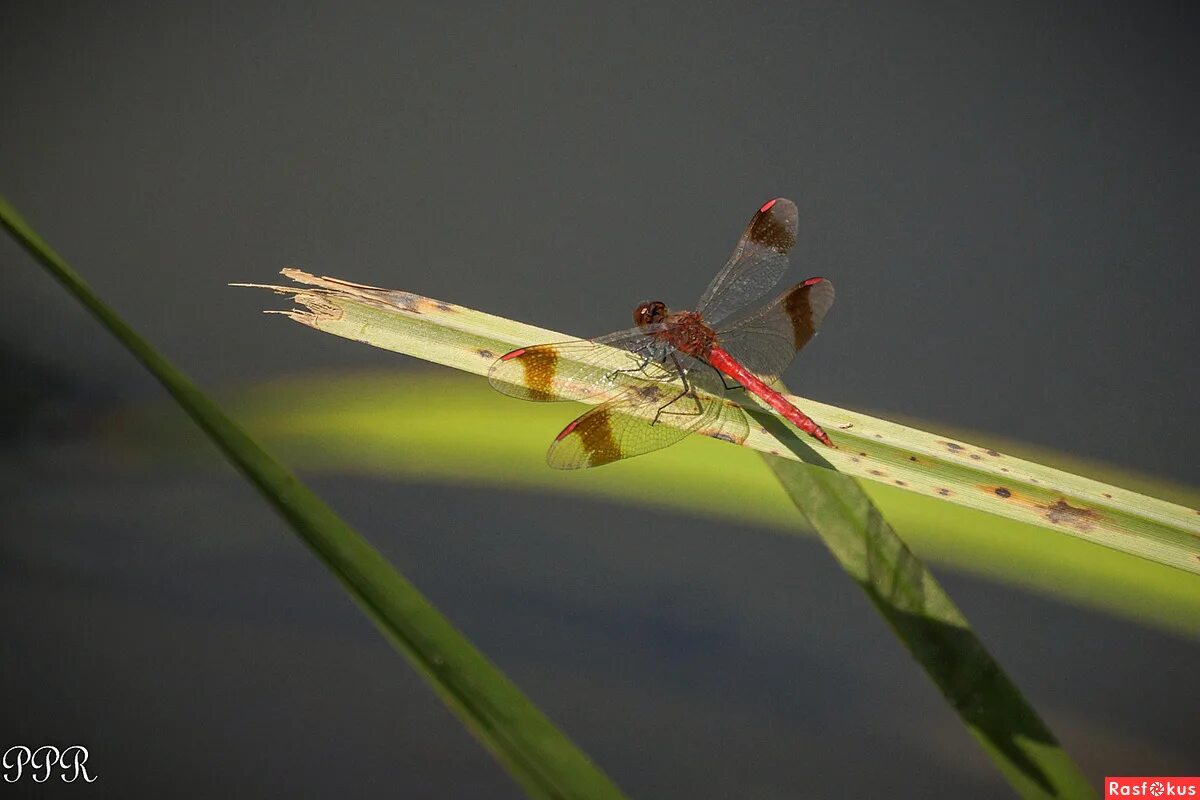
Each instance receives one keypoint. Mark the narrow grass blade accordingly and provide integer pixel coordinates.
(539, 757)
(928, 623)
(870, 448)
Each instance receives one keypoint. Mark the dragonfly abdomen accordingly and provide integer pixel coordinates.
(752, 383)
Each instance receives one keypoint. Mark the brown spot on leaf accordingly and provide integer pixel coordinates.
(912, 458)
(953, 447)
(1002, 492)
(992, 453)
(406, 301)
(847, 426)
(485, 353)
(443, 306)
(878, 473)
(649, 393)
(1109, 496)
(725, 437)
(976, 456)
(1004, 469)
(900, 482)
(879, 436)
(1063, 513)
(856, 459)
(944, 492)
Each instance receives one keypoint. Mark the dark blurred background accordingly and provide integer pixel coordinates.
(1005, 195)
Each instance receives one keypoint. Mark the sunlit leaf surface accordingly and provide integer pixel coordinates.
(922, 463)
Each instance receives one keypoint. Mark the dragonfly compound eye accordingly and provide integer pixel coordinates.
(650, 313)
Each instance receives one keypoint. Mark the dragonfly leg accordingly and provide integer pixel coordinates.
(725, 381)
(643, 360)
(687, 392)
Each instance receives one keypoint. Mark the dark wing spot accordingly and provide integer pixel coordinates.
(540, 365)
(797, 304)
(596, 437)
(774, 226)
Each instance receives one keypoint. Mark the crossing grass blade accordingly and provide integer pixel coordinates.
(926, 620)
(541, 758)
(928, 464)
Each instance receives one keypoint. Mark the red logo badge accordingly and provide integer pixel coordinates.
(1151, 787)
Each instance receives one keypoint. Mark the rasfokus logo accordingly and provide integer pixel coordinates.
(1157, 786)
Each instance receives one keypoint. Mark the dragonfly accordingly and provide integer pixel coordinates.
(666, 377)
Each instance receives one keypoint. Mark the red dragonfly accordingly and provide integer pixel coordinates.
(674, 363)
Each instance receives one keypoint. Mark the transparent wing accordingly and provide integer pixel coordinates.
(641, 419)
(766, 341)
(757, 263)
(578, 370)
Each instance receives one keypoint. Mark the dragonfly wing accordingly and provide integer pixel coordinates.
(643, 419)
(577, 370)
(766, 341)
(757, 263)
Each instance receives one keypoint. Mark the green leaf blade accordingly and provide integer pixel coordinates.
(538, 756)
(869, 448)
(933, 629)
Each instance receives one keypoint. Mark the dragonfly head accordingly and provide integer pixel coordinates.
(650, 313)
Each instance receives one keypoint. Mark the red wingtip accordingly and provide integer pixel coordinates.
(566, 431)
(513, 354)
(767, 206)
(811, 281)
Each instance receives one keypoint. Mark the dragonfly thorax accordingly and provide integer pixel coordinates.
(685, 331)
(688, 333)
